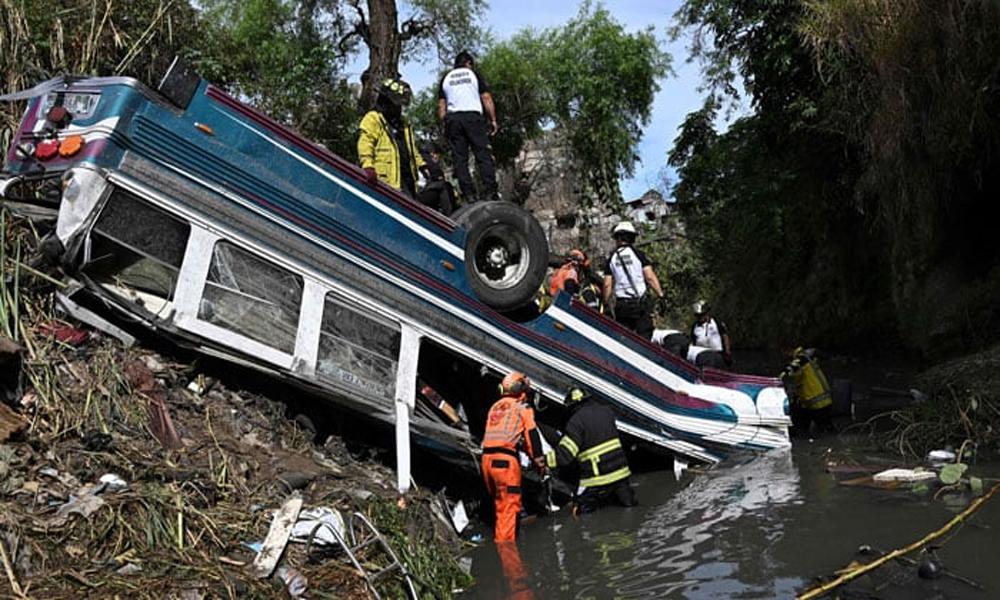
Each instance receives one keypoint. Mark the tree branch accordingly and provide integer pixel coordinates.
(360, 27)
(414, 27)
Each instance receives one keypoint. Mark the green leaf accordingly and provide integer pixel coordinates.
(920, 489)
(976, 485)
(950, 474)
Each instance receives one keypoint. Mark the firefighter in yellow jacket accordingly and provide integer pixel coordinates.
(809, 393)
(387, 150)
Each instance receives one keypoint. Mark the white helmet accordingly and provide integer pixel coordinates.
(623, 227)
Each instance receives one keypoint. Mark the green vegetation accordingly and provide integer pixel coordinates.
(591, 80)
(854, 205)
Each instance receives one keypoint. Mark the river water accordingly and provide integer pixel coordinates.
(761, 529)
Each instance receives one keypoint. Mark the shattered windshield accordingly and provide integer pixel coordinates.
(137, 246)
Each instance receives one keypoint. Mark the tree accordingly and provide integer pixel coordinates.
(863, 181)
(603, 80)
(768, 201)
(914, 85)
(591, 81)
(446, 25)
(281, 57)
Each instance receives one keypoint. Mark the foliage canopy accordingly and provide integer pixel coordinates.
(860, 180)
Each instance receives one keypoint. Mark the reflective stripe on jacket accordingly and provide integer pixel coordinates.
(591, 439)
(511, 423)
(377, 149)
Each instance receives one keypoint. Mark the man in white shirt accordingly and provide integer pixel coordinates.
(465, 107)
(707, 332)
(628, 274)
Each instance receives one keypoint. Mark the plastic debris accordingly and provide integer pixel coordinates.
(904, 475)
(277, 537)
(85, 503)
(680, 465)
(129, 569)
(936, 457)
(459, 517)
(112, 482)
(323, 524)
(295, 480)
(295, 582)
(67, 334)
(197, 385)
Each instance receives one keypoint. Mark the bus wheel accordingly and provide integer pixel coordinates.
(506, 254)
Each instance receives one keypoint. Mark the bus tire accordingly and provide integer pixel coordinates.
(506, 253)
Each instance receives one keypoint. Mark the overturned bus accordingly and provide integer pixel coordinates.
(189, 213)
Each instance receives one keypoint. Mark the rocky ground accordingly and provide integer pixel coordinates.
(126, 474)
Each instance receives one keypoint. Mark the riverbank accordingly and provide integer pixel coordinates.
(960, 408)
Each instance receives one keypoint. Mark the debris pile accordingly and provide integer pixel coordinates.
(961, 408)
(123, 472)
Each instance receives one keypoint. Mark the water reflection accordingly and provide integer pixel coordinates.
(756, 530)
(682, 546)
(710, 536)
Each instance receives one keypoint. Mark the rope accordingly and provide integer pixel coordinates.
(826, 587)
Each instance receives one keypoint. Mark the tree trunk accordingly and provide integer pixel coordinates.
(384, 46)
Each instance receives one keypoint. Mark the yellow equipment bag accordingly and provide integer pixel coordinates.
(814, 389)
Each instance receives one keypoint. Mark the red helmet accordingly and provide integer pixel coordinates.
(515, 384)
(579, 257)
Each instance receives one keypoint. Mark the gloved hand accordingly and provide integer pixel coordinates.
(371, 176)
(727, 357)
(661, 304)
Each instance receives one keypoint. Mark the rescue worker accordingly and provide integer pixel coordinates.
(629, 277)
(809, 393)
(575, 279)
(591, 439)
(386, 147)
(510, 427)
(707, 332)
(437, 192)
(465, 108)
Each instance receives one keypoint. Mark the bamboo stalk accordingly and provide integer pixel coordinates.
(854, 573)
(14, 585)
(21, 265)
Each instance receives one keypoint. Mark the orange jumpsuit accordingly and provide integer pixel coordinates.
(510, 423)
(563, 275)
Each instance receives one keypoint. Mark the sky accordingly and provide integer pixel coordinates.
(678, 93)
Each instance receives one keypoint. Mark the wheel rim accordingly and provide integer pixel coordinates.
(501, 257)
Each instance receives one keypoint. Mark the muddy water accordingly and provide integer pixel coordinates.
(756, 530)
